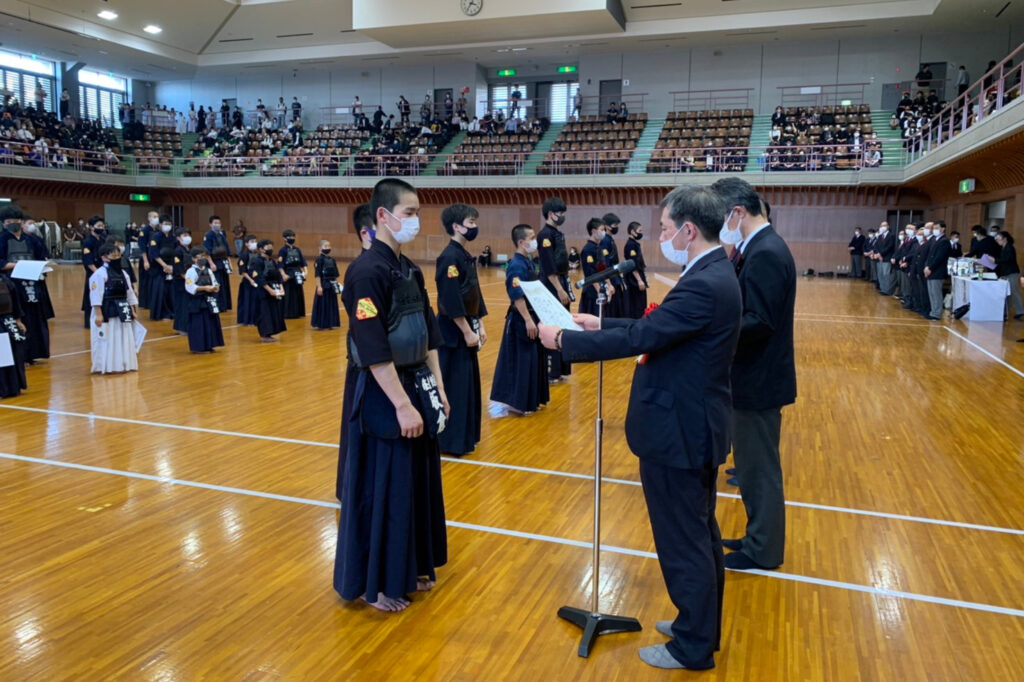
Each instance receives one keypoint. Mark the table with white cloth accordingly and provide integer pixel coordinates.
(987, 298)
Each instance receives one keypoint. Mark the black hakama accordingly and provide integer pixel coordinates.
(520, 375)
(294, 299)
(12, 379)
(392, 527)
(248, 303)
(325, 308)
(161, 305)
(460, 367)
(588, 301)
(45, 302)
(637, 301)
(144, 281)
(86, 306)
(224, 293)
(270, 315)
(351, 376)
(204, 332)
(37, 331)
(179, 298)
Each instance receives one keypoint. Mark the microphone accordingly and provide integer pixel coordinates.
(619, 269)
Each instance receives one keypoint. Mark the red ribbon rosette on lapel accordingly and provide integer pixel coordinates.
(642, 359)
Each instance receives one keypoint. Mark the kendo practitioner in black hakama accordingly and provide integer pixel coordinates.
(145, 236)
(181, 263)
(204, 330)
(326, 314)
(91, 258)
(216, 244)
(460, 309)
(554, 271)
(392, 534)
(42, 253)
(12, 379)
(294, 270)
(520, 376)
(593, 261)
(636, 290)
(264, 270)
(248, 289)
(16, 244)
(160, 254)
(362, 221)
(616, 306)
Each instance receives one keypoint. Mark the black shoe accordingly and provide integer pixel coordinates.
(730, 472)
(1017, 317)
(733, 544)
(929, 317)
(733, 481)
(738, 561)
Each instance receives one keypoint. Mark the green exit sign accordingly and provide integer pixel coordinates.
(506, 72)
(138, 197)
(967, 186)
(566, 69)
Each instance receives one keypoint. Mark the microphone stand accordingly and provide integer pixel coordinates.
(592, 621)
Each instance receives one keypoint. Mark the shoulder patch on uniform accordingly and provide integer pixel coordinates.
(632, 253)
(85, 250)
(515, 281)
(177, 260)
(546, 242)
(92, 285)
(365, 309)
(590, 259)
(452, 271)
(604, 252)
(152, 242)
(189, 280)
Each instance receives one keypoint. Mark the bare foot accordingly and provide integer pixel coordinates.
(424, 584)
(387, 603)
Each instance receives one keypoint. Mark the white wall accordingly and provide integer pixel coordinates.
(761, 67)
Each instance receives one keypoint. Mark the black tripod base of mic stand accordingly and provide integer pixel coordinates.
(595, 624)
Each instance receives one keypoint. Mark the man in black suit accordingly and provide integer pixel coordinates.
(904, 258)
(936, 269)
(869, 256)
(918, 284)
(678, 417)
(885, 248)
(763, 376)
(856, 253)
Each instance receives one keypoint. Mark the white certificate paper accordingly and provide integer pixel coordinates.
(548, 308)
(6, 352)
(31, 269)
(140, 334)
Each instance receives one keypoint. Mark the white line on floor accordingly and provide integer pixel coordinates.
(777, 575)
(994, 357)
(159, 338)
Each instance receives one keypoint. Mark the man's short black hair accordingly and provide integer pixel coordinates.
(978, 229)
(96, 219)
(611, 219)
(214, 217)
(941, 223)
(288, 233)
(552, 205)
(954, 233)
(196, 251)
(633, 226)
(519, 233)
(362, 217)
(699, 205)
(178, 231)
(108, 248)
(594, 224)
(387, 194)
(263, 243)
(457, 213)
(164, 218)
(737, 192)
(11, 212)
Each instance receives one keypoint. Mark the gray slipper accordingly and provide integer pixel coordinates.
(664, 627)
(659, 657)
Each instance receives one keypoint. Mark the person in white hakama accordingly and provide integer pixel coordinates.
(112, 321)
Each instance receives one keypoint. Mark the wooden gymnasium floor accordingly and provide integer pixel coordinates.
(179, 523)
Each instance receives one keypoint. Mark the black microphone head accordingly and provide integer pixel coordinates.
(626, 266)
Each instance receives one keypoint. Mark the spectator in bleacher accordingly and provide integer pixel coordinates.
(201, 120)
(426, 110)
(924, 76)
(623, 114)
(474, 126)
(512, 126)
(225, 113)
(460, 105)
(65, 103)
(378, 119)
(990, 78)
(577, 104)
(404, 109)
(779, 118)
(514, 107)
(963, 80)
(612, 113)
(448, 106)
(357, 109)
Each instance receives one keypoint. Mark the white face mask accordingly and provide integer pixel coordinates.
(531, 246)
(926, 232)
(993, 233)
(252, 247)
(920, 238)
(30, 228)
(955, 240)
(674, 255)
(727, 235)
(166, 229)
(410, 228)
(154, 221)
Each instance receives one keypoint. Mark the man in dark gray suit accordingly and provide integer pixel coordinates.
(763, 375)
(678, 417)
